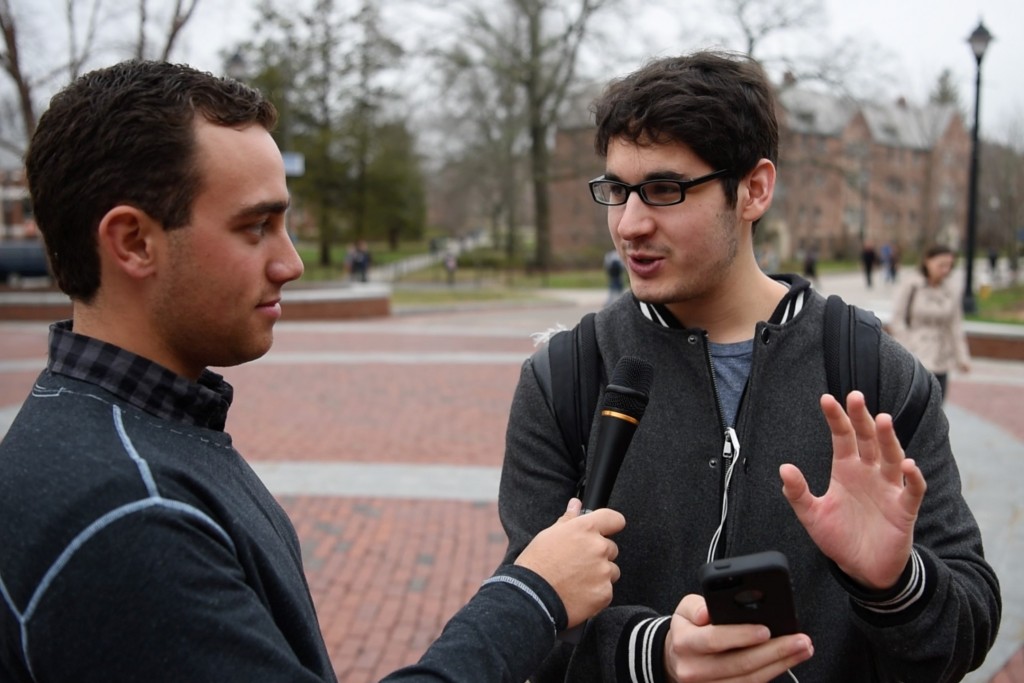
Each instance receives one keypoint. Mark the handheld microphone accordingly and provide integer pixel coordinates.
(625, 400)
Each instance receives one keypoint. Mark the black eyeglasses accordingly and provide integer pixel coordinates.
(652, 192)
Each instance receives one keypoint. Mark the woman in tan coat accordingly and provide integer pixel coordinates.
(927, 317)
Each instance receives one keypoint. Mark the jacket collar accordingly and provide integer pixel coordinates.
(790, 304)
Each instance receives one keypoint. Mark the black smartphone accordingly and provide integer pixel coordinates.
(750, 589)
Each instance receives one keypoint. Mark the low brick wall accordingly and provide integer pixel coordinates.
(1001, 347)
(45, 311)
(999, 342)
(343, 303)
(1003, 342)
(313, 304)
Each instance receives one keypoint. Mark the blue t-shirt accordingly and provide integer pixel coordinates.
(732, 368)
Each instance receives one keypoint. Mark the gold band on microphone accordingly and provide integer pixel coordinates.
(620, 416)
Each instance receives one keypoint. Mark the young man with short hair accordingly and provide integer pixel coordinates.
(733, 456)
(135, 543)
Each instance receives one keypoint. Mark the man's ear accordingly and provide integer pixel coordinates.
(129, 240)
(756, 190)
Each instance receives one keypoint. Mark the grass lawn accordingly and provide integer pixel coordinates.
(1004, 305)
(490, 283)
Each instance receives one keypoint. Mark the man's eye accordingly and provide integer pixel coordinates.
(662, 190)
(258, 229)
(615, 191)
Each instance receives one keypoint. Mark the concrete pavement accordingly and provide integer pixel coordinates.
(383, 440)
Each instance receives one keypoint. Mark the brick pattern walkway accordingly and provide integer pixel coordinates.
(386, 574)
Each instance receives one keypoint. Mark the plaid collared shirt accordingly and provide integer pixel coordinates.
(139, 381)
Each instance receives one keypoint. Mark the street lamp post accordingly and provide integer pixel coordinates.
(236, 67)
(979, 41)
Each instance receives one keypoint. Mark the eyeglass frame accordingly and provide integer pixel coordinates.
(684, 185)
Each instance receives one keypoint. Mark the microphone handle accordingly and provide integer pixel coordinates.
(615, 432)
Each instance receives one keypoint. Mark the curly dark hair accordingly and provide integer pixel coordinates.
(124, 134)
(721, 105)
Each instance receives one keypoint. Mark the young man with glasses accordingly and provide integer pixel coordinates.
(742, 449)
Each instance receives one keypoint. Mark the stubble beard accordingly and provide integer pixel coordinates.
(703, 281)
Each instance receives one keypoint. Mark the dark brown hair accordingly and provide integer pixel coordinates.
(124, 134)
(720, 105)
(934, 250)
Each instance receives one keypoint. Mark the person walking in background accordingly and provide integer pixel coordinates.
(136, 544)
(359, 261)
(892, 267)
(811, 264)
(927, 317)
(993, 264)
(868, 258)
(451, 265)
(613, 268)
(885, 259)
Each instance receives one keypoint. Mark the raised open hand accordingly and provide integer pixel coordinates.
(865, 521)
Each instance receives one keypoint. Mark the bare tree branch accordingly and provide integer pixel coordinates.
(10, 61)
(140, 45)
(182, 14)
(77, 56)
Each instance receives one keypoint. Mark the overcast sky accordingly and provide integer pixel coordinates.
(917, 39)
(931, 35)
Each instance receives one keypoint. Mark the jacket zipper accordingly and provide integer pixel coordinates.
(730, 447)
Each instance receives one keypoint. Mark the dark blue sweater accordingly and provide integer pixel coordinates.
(137, 545)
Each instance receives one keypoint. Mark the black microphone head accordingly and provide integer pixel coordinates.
(628, 389)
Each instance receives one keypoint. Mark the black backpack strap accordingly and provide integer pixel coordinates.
(851, 337)
(569, 372)
(851, 351)
(909, 415)
(589, 378)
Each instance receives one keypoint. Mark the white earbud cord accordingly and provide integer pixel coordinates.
(731, 454)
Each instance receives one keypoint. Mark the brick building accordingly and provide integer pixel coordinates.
(15, 207)
(850, 172)
(847, 171)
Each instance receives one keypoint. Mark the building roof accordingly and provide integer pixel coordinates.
(902, 125)
(816, 113)
(898, 124)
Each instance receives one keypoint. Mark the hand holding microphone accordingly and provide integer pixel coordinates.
(576, 557)
(625, 400)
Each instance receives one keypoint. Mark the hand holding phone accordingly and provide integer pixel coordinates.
(750, 589)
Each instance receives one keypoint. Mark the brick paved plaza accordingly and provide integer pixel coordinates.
(415, 407)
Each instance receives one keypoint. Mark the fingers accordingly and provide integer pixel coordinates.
(915, 486)
(853, 429)
(606, 521)
(795, 486)
(577, 559)
(856, 433)
(863, 427)
(693, 608)
(892, 455)
(698, 651)
(844, 439)
(795, 489)
(573, 509)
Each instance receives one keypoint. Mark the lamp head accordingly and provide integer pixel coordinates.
(979, 41)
